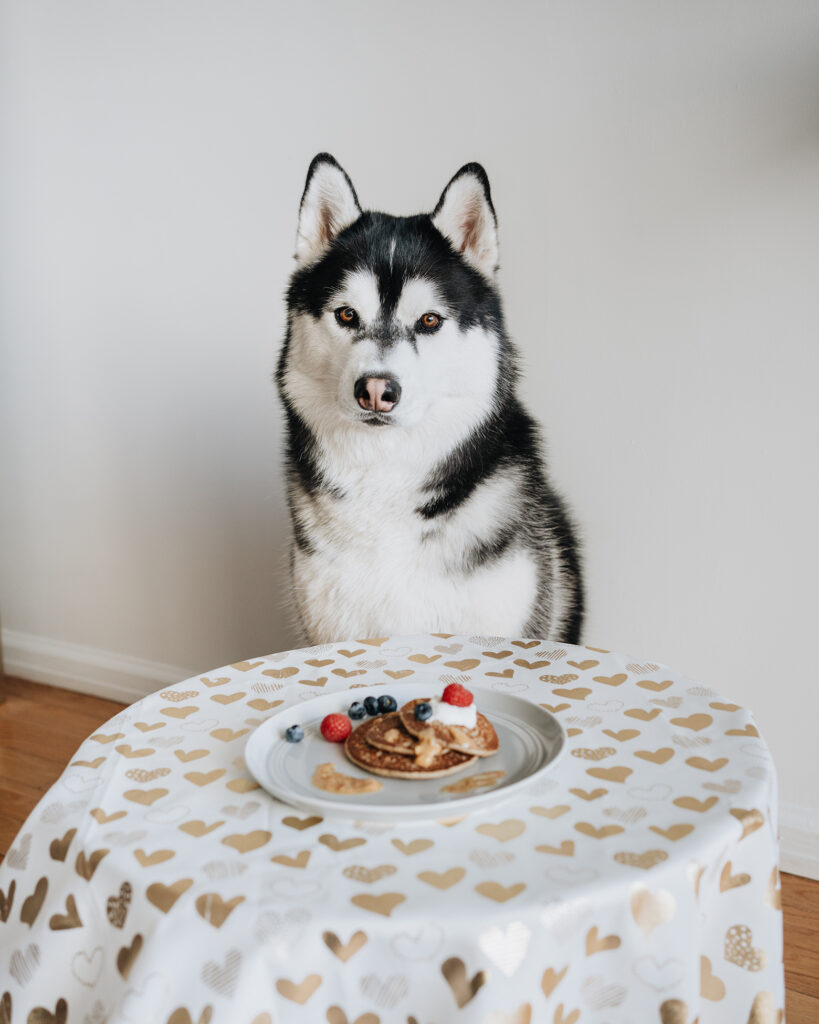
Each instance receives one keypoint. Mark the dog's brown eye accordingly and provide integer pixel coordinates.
(347, 316)
(429, 322)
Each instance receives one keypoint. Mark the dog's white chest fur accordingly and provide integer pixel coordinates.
(376, 567)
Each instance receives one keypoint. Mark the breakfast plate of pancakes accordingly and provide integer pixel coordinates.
(393, 766)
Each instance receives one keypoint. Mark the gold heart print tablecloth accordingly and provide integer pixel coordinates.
(634, 883)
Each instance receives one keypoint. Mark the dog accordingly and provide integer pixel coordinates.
(416, 483)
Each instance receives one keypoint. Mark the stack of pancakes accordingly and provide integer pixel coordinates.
(398, 746)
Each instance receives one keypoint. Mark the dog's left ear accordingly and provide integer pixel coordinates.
(465, 215)
(329, 204)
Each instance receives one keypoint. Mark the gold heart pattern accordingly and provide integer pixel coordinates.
(33, 903)
(764, 1009)
(335, 1015)
(522, 1015)
(344, 950)
(551, 979)
(301, 992)
(181, 1015)
(464, 988)
(750, 820)
(85, 866)
(42, 1015)
(646, 860)
(299, 860)
(711, 987)
(739, 949)
(412, 847)
(59, 847)
(651, 908)
(728, 881)
(499, 893)
(551, 812)
(566, 848)
(504, 831)
(127, 955)
(301, 823)
(669, 767)
(442, 879)
(7, 901)
(216, 910)
(164, 896)
(674, 1011)
(117, 905)
(340, 845)
(596, 943)
(383, 904)
(70, 919)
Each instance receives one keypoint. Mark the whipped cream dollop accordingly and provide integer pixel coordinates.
(450, 714)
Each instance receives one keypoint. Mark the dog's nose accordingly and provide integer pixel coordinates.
(378, 394)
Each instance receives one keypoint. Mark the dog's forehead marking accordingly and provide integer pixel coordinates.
(359, 289)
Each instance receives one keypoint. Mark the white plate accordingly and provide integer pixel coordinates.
(531, 741)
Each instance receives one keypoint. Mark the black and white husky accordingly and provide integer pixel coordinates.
(416, 483)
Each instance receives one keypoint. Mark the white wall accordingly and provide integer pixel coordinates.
(656, 173)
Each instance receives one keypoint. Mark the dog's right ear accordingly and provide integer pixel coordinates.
(329, 204)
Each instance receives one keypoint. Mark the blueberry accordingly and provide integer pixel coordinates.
(371, 705)
(387, 704)
(356, 710)
(295, 734)
(423, 711)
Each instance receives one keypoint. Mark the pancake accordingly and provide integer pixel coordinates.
(399, 766)
(387, 732)
(482, 741)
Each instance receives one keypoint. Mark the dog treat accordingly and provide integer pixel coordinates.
(331, 781)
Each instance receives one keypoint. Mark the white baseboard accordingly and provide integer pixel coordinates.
(118, 677)
(799, 840)
(124, 678)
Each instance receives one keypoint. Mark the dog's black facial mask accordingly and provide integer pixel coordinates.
(455, 247)
(395, 250)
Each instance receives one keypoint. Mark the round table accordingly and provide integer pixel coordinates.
(636, 883)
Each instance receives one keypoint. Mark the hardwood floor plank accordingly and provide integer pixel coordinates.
(92, 707)
(41, 728)
(801, 1009)
(800, 906)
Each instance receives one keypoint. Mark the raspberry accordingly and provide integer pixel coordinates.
(335, 728)
(457, 695)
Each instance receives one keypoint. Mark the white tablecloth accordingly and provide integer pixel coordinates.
(155, 882)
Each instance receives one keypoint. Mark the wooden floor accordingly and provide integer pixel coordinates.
(42, 726)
